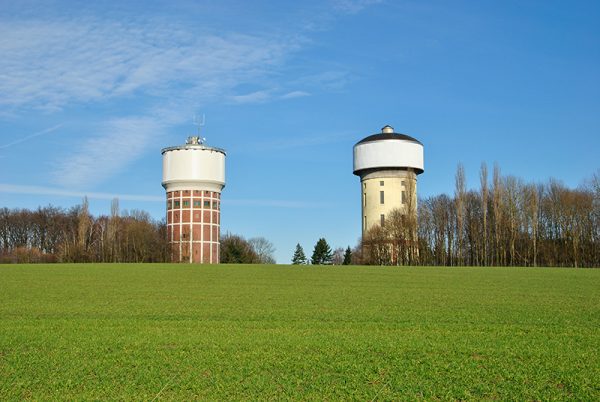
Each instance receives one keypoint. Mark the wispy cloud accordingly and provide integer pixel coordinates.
(275, 203)
(331, 80)
(50, 64)
(291, 142)
(120, 141)
(253, 97)
(353, 6)
(295, 94)
(53, 64)
(42, 190)
(28, 137)
(39, 190)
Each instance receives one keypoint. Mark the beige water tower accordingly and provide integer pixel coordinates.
(388, 164)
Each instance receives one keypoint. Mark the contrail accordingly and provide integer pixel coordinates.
(46, 131)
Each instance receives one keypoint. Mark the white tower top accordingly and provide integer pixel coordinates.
(193, 166)
(388, 151)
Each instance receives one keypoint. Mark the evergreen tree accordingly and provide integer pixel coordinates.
(299, 258)
(322, 253)
(347, 257)
(237, 250)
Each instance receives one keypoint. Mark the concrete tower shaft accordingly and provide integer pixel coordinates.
(388, 164)
(193, 177)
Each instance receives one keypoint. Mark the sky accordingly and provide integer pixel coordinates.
(90, 92)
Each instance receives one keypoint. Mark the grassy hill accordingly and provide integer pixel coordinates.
(121, 331)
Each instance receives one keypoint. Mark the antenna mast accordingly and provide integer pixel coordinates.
(199, 124)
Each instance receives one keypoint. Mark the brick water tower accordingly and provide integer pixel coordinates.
(388, 164)
(193, 177)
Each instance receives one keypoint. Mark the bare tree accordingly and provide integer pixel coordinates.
(459, 200)
(264, 249)
(497, 214)
(338, 256)
(483, 179)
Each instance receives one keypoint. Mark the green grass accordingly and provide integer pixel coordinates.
(278, 332)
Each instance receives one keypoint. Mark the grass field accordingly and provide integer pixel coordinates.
(185, 332)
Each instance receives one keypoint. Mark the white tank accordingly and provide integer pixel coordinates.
(388, 150)
(193, 166)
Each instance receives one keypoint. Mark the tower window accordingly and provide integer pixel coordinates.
(206, 204)
(381, 183)
(177, 204)
(169, 204)
(365, 199)
(381, 197)
(196, 204)
(404, 197)
(186, 204)
(382, 216)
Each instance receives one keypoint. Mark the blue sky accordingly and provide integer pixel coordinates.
(90, 93)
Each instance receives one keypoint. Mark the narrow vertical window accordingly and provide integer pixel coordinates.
(365, 199)
(365, 223)
(381, 197)
(404, 197)
(382, 216)
(381, 183)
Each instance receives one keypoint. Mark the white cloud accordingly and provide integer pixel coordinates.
(295, 94)
(253, 97)
(275, 203)
(333, 80)
(292, 142)
(51, 64)
(101, 156)
(42, 190)
(353, 6)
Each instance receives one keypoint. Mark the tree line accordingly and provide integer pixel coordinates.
(51, 234)
(507, 222)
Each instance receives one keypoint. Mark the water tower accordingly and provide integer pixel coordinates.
(388, 164)
(193, 177)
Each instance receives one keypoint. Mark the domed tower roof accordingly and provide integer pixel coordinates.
(388, 150)
(387, 133)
